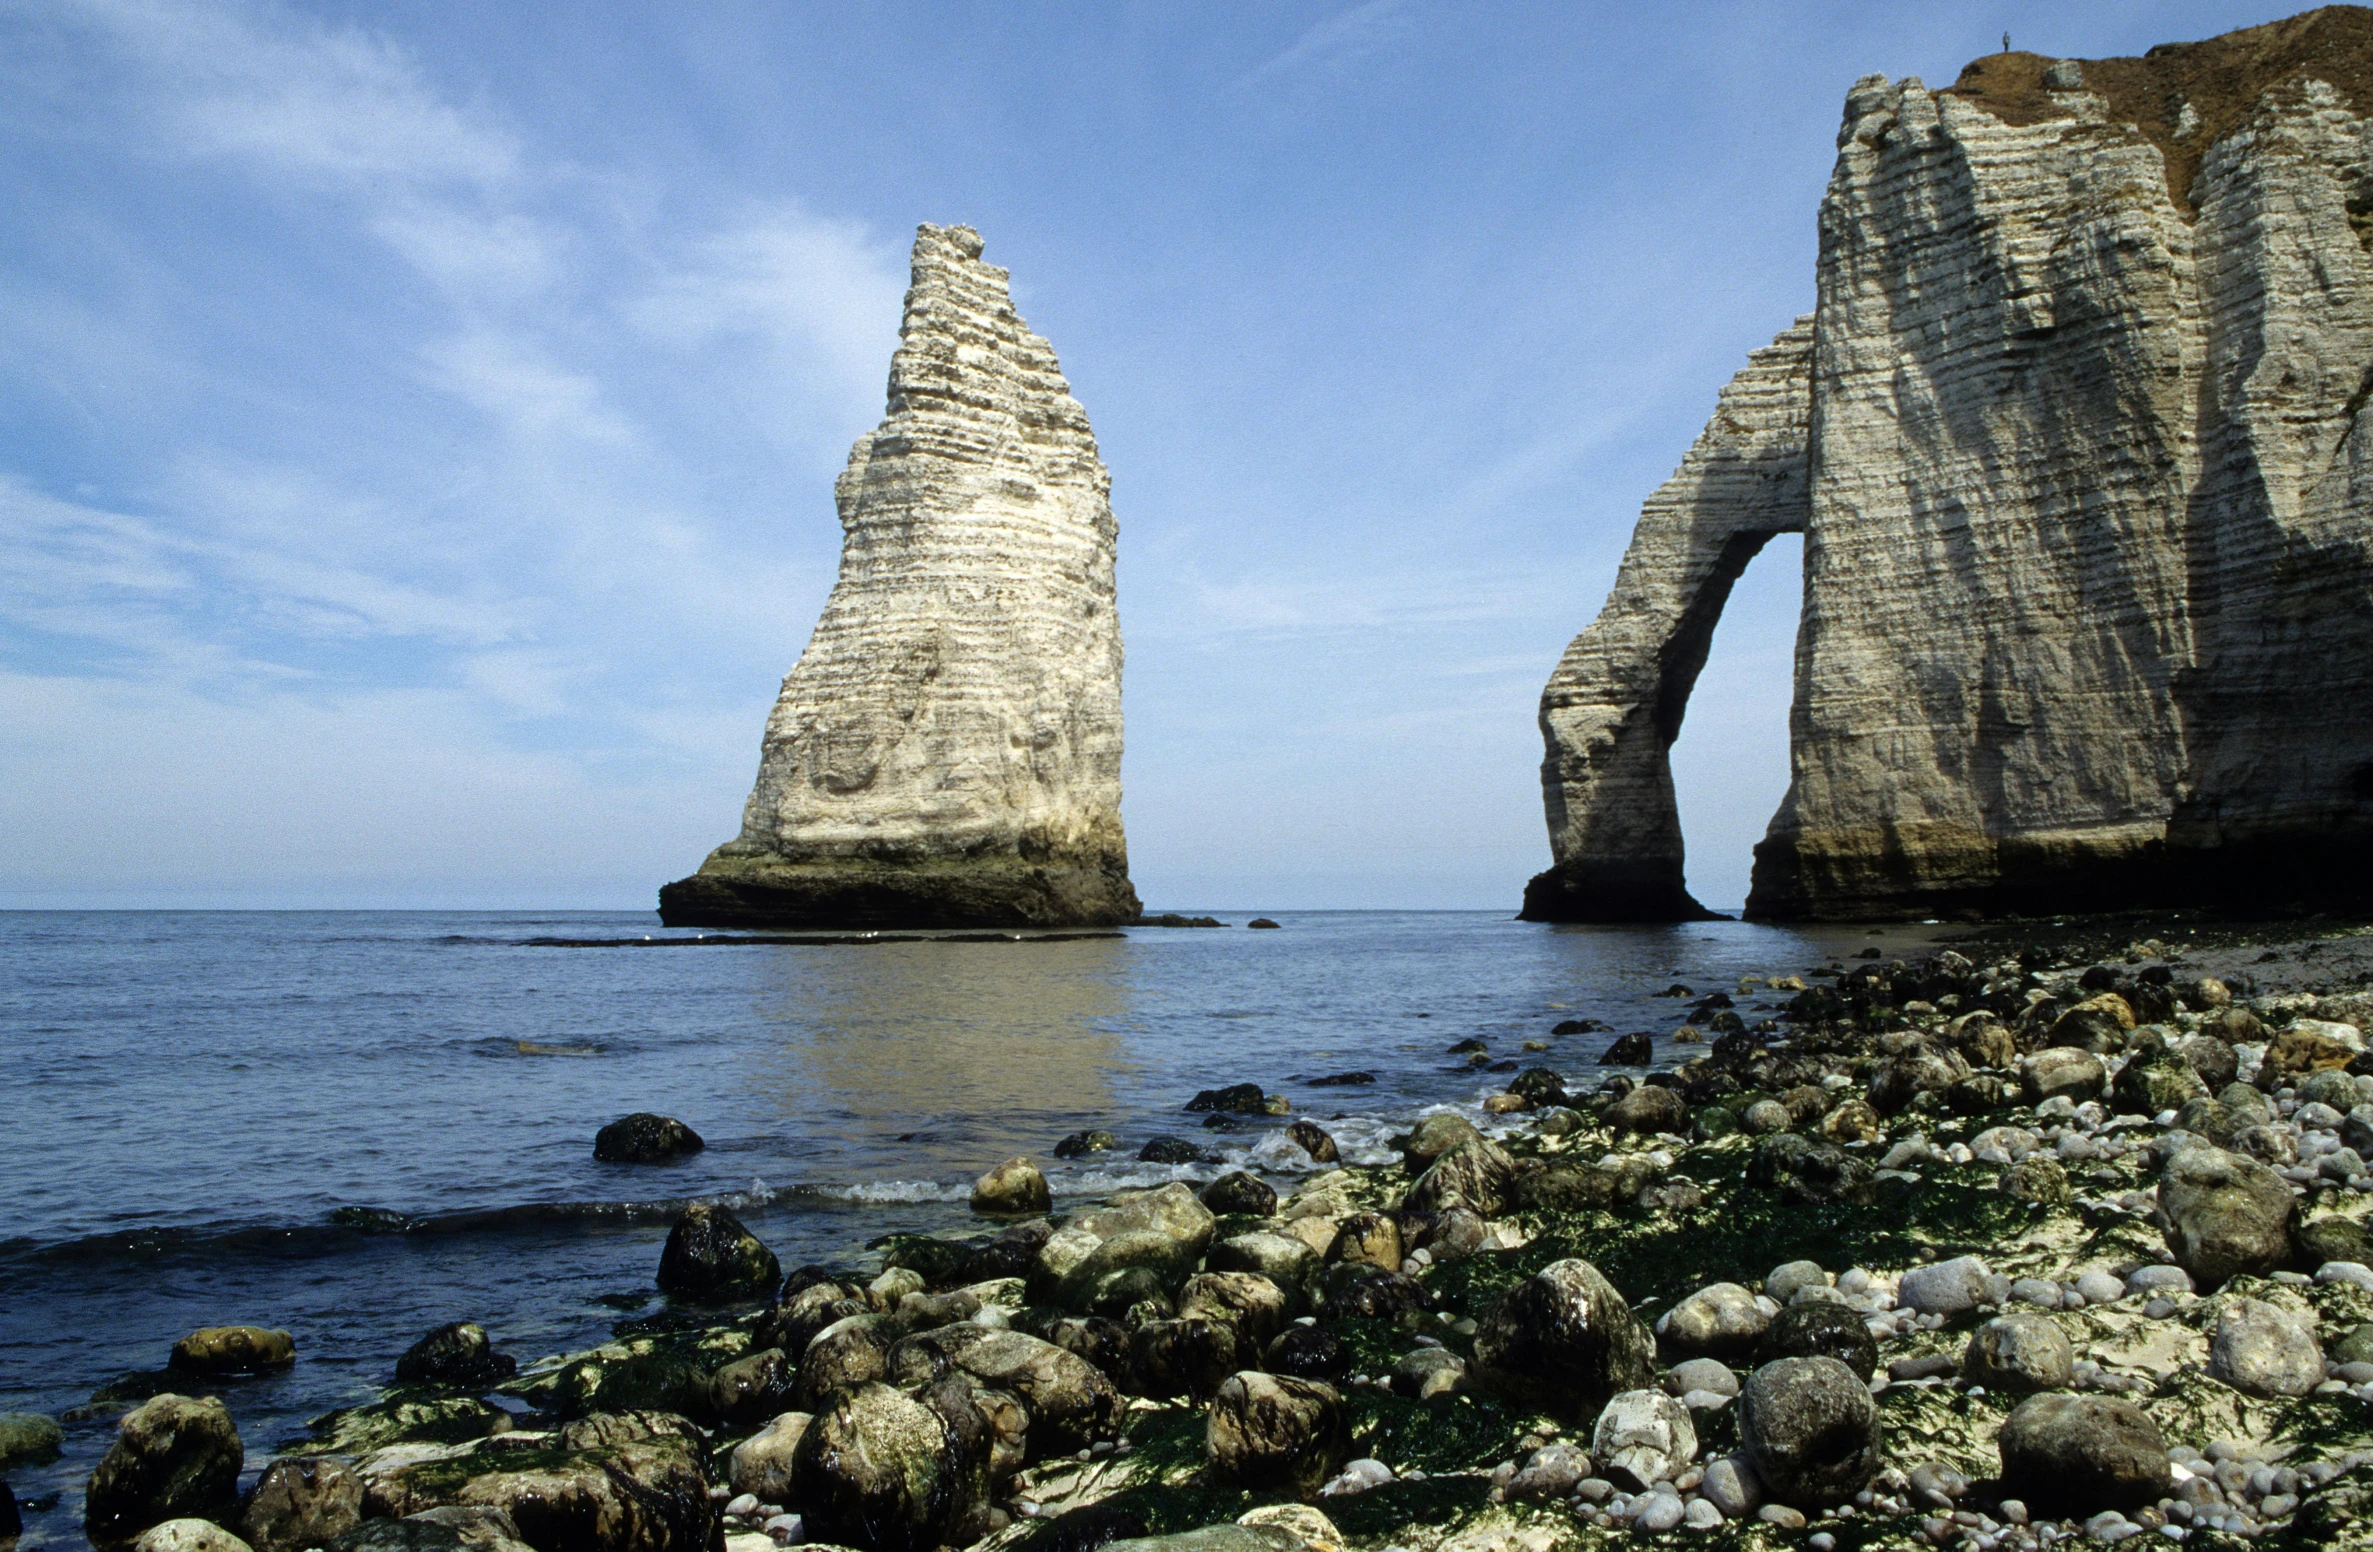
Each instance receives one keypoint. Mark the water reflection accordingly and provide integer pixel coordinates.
(940, 1046)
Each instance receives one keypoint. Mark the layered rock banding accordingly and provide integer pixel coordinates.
(947, 750)
(2071, 436)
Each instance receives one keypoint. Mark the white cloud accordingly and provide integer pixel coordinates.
(1347, 35)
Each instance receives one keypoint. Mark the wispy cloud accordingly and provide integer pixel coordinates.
(1348, 35)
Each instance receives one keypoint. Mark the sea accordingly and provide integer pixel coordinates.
(361, 1125)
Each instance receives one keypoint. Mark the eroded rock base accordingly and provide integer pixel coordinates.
(956, 892)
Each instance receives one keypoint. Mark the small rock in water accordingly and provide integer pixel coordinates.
(1012, 1189)
(710, 1256)
(1081, 1144)
(458, 1355)
(225, 1350)
(645, 1138)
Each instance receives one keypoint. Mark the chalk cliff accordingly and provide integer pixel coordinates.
(947, 751)
(2072, 438)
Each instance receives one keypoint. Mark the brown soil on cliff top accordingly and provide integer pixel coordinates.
(2222, 78)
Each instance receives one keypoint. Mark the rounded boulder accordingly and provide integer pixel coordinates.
(174, 1457)
(2083, 1454)
(2224, 1214)
(1014, 1188)
(1564, 1339)
(1810, 1431)
(1274, 1432)
(711, 1258)
(645, 1138)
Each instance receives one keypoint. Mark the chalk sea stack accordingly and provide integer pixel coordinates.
(2071, 437)
(947, 751)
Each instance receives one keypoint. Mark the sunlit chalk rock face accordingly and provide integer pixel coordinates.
(2085, 475)
(947, 751)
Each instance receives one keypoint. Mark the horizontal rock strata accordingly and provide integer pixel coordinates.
(2087, 577)
(947, 750)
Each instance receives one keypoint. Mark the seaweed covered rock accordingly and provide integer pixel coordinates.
(301, 1501)
(1808, 1171)
(1242, 1193)
(885, 1471)
(457, 1355)
(1818, 1328)
(2060, 1071)
(710, 1257)
(174, 1457)
(645, 1138)
(1275, 1432)
(2083, 1454)
(750, 1390)
(761, 1464)
(2224, 1214)
(1810, 1431)
(219, 1351)
(1474, 1174)
(1072, 1403)
(613, 1482)
(1564, 1340)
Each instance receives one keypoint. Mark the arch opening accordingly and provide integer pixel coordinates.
(1730, 763)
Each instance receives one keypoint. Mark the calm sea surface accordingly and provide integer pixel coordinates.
(191, 1097)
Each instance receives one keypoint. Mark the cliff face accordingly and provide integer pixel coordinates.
(2088, 609)
(947, 750)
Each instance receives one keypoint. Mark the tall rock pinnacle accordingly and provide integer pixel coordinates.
(947, 751)
(2072, 439)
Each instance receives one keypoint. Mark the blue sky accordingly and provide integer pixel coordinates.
(420, 420)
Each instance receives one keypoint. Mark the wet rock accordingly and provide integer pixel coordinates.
(1473, 1174)
(2099, 1023)
(301, 1501)
(1785, 1279)
(1239, 1192)
(1550, 1472)
(2081, 1454)
(1820, 1329)
(2223, 1214)
(1644, 1435)
(1434, 1136)
(1312, 1139)
(174, 1457)
(2332, 1238)
(1267, 1431)
(1808, 1427)
(2148, 1084)
(644, 1138)
(1234, 1099)
(1721, 1320)
(1079, 1145)
(2308, 1046)
(2265, 1350)
(1172, 1211)
(711, 1258)
(1649, 1108)
(2216, 1062)
(761, 1464)
(1564, 1340)
(189, 1536)
(800, 1318)
(881, 1470)
(1633, 1050)
(1014, 1188)
(748, 1391)
(1371, 1239)
(1309, 1353)
(2062, 1071)
(1103, 1344)
(1767, 1116)
(458, 1355)
(1708, 1375)
(1852, 1121)
(2019, 1353)
(2038, 1181)
(854, 1351)
(1916, 1069)
(28, 1438)
(1285, 1261)
(1427, 1372)
(1190, 1358)
(1367, 1294)
(1175, 1150)
(1809, 1171)
(1126, 1269)
(217, 1351)
(1945, 1288)
(1251, 1303)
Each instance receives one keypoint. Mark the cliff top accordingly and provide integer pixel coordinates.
(2220, 79)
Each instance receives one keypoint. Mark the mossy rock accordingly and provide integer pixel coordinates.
(406, 1415)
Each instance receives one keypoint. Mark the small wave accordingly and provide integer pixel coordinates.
(880, 1192)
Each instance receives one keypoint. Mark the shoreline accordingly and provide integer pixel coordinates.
(1654, 1211)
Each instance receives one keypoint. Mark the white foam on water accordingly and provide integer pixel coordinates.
(873, 1191)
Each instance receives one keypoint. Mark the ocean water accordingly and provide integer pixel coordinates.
(195, 1101)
